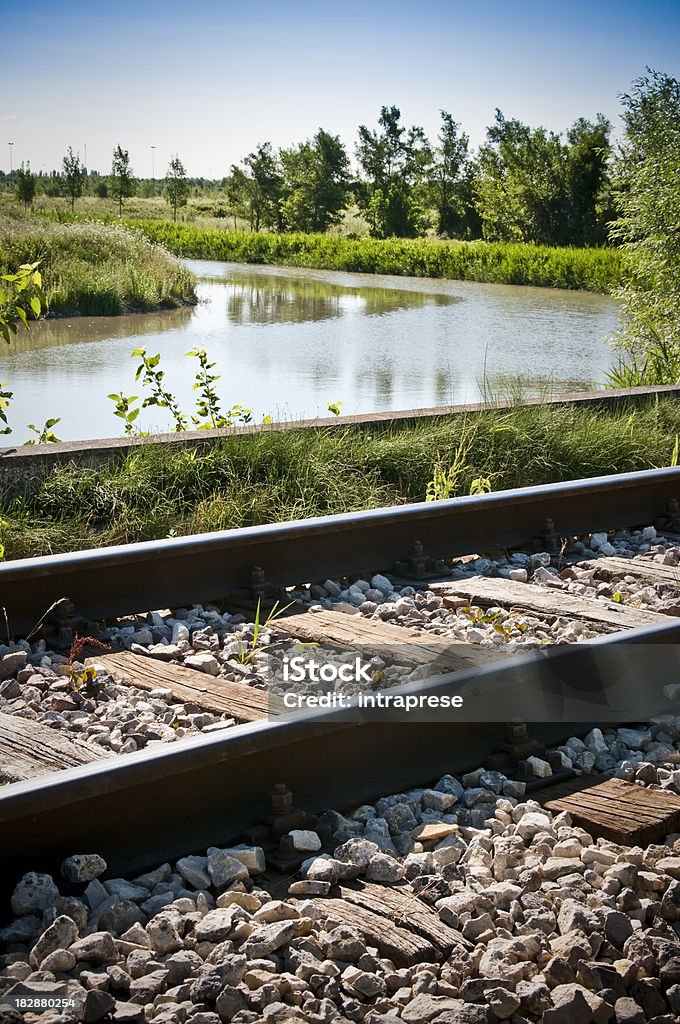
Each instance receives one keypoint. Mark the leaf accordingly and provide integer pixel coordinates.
(35, 305)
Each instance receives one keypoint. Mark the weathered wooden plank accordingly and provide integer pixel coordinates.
(620, 811)
(416, 647)
(642, 569)
(29, 749)
(526, 597)
(402, 907)
(400, 945)
(214, 694)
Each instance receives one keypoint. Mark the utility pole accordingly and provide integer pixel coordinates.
(10, 144)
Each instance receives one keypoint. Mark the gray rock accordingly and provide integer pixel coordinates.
(163, 934)
(252, 856)
(570, 1007)
(194, 870)
(305, 840)
(627, 1011)
(83, 867)
(34, 892)
(218, 924)
(224, 868)
(12, 663)
(61, 934)
(617, 928)
(383, 868)
(269, 937)
(426, 1007)
(126, 890)
(97, 948)
(357, 851)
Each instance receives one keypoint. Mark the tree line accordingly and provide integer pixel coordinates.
(522, 184)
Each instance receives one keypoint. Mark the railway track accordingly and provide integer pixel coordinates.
(125, 807)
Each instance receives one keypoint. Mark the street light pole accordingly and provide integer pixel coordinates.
(10, 144)
(153, 175)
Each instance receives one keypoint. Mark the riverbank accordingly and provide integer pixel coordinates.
(273, 476)
(95, 269)
(595, 269)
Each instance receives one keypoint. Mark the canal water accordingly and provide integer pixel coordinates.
(287, 342)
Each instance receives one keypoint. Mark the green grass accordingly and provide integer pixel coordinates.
(93, 268)
(597, 270)
(273, 476)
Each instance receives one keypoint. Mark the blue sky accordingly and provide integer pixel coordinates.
(210, 80)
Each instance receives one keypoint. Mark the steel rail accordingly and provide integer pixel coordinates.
(144, 808)
(105, 582)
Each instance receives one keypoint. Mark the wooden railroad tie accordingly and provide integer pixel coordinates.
(393, 919)
(29, 749)
(617, 810)
(188, 686)
(549, 602)
(415, 647)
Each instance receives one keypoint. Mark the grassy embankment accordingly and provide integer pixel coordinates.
(95, 269)
(597, 270)
(275, 475)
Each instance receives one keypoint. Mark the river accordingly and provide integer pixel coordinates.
(287, 341)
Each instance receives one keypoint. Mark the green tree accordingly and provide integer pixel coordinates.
(122, 183)
(395, 162)
(265, 191)
(25, 185)
(450, 194)
(646, 189)
(316, 183)
(531, 186)
(73, 176)
(176, 185)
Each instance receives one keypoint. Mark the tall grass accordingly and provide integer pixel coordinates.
(596, 270)
(277, 475)
(94, 268)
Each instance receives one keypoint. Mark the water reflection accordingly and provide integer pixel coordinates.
(270, 299)
(286, 342)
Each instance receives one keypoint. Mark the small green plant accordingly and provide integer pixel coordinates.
(83, 680)
(20, 293)
(501, 620)
(676, 451)
(152, 378)
(249, 651)
(45, 435)
(480, 485)
(125, 410)
(334, 407)
(5, 399)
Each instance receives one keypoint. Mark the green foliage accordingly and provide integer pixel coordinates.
(125, 410)
(334, 407)
(21, 296)
(176, 185)
(152, 378)
(121, 183)
(273, 476)
(450, 191)
(647, 193)
(531, 186)
(395, 163)
(208, 403)
(45, 435)
(93, 268)
(74, 176)
(597, 270)
(25, 185)
(316, 183)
